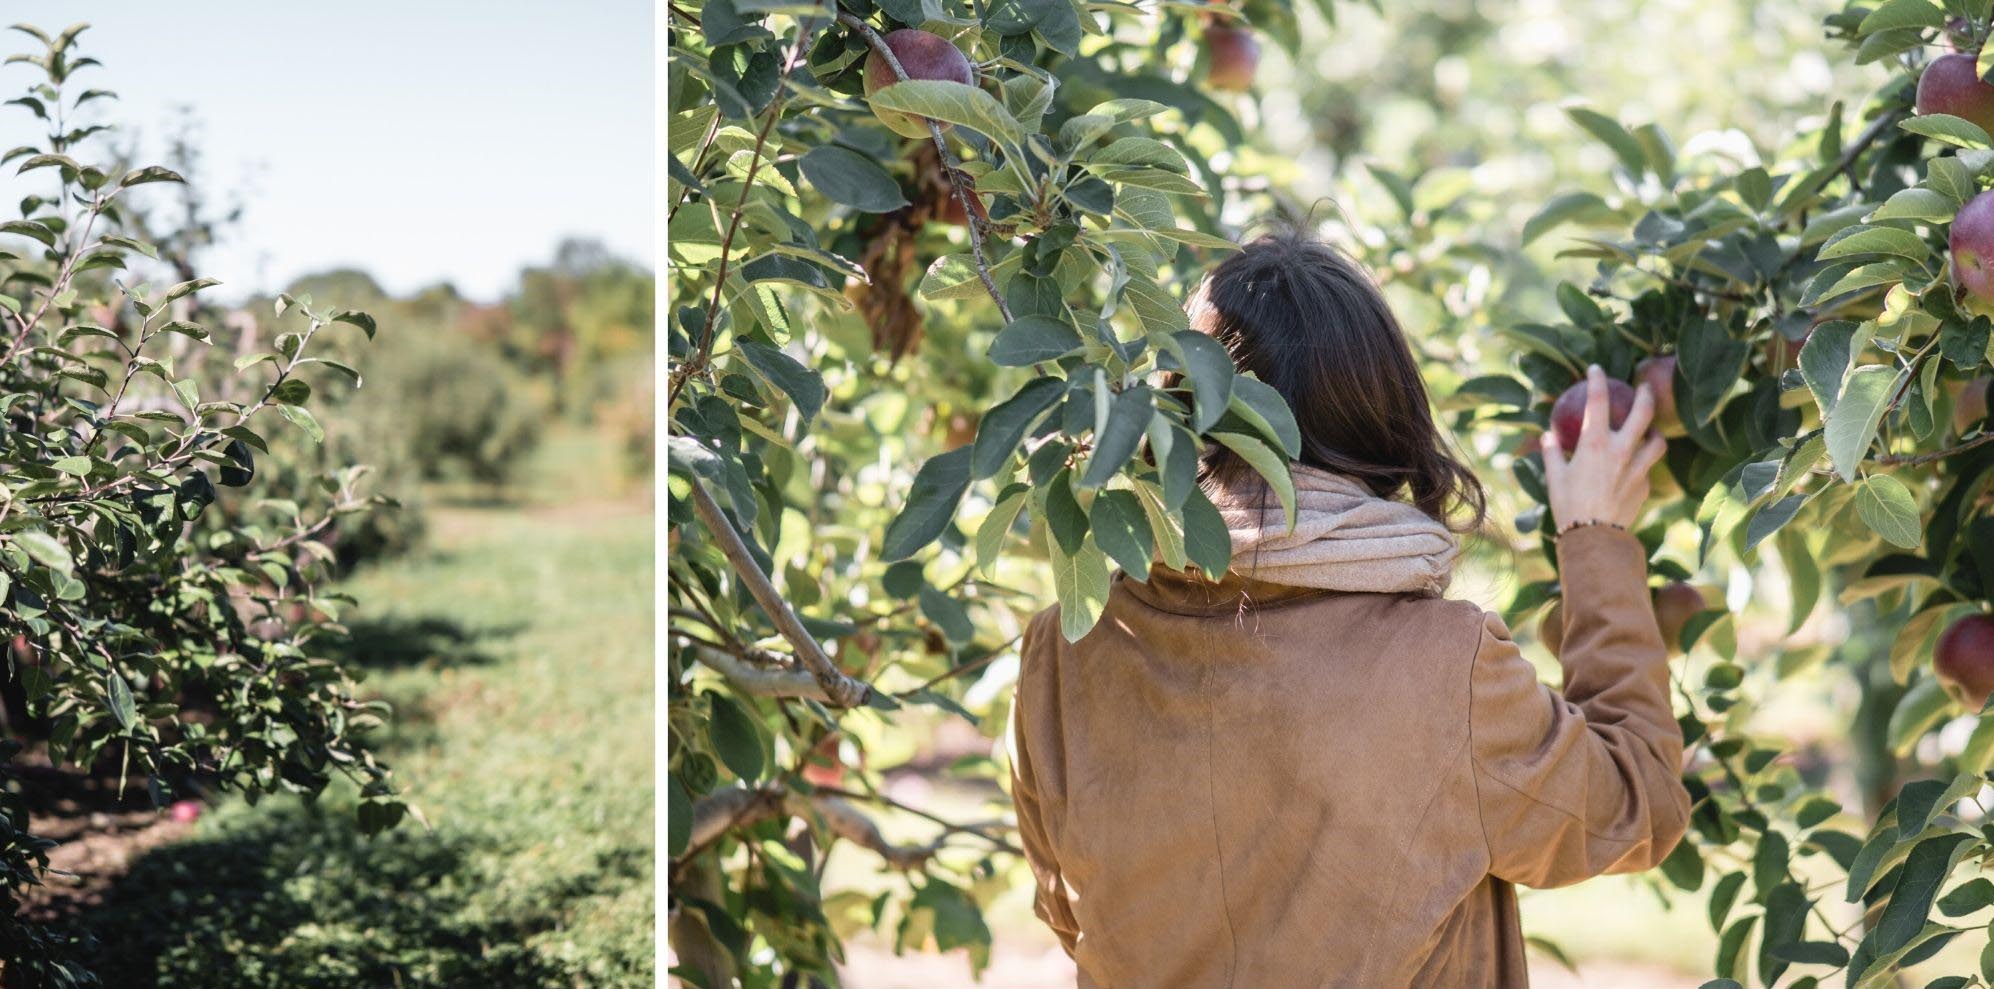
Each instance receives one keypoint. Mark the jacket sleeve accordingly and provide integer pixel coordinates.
(1050, 898)
(1588, 782)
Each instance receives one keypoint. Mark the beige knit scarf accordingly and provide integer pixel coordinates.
(1345, 538)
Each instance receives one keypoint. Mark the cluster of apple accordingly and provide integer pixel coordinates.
(1963, 659)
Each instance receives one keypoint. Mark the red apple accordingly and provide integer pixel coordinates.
(1970, 406)
(186, 811)
(1568, 413)
(924, 56)
(1964, 660)
(1235, 54)
(1675, 603)
(1660, 373)
(1950, 84)
(1972, 242)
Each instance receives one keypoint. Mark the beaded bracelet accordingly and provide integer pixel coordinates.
(1581, 523)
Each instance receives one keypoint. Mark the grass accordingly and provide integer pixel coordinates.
(516, 648)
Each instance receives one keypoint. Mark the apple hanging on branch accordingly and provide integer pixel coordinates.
(1235, 57)
(1971, 241)
(1951, 84)
(1964, 660)
(1660, 373)
(1568, 413)
(925, 56)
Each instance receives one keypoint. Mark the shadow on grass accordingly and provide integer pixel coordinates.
(295, 897)
(396, 643)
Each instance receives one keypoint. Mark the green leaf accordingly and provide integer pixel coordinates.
(1887, 506)
(931, 504)
(151, 173)
(186, 329)
(803, 385)
(1614, 136)
(46, 550)
(1917, 204)
(1917, 887)
(1972, 896)
(1852, 422)
(737, 738)
(1769, 864)
(123, 707)
(354, 317)
(678, 817)
(1785, 925)
(1207, 543)
(1064, 517)
(292, 391)
(966, 106)
(1270, 465)
(1080, 581)
(1948, 129)
(851, 179)
(1005, 425)
(997, 525)
(1564, 209)
(74, 466)
(1128, 417)
(1877, 240)
(1030, 339)
(947, 614)
(1265, 410)
(304, 420)
(1121, 529)
(189, 287)
(1210, 371)
(1723, 896)
(1897, 14)
(1825, 359)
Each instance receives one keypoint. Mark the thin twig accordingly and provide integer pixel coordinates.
(839, 689)
(963, 670)
(1916, 460)
(948, 826)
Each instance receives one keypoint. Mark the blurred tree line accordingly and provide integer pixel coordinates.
(457, 393)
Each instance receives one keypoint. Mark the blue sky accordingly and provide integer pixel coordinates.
(422, 141)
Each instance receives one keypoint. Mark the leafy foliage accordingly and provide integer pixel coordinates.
(1820, 339)
(165, 628)
(818, 255)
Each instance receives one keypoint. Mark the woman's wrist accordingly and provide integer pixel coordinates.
(1580, 523)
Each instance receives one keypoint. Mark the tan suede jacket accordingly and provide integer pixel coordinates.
(1247, 785)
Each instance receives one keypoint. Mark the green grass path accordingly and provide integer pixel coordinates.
(516, 648)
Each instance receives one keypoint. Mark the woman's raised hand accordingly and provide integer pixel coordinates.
(1604, 477)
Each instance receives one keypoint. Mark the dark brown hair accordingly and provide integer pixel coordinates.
(1309, 322)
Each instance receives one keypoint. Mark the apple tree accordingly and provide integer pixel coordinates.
(161, 600)
(934, 234)
(1817, 329)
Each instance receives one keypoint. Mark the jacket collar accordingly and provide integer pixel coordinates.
(1190, 593)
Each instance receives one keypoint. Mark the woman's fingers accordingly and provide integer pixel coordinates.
(1650, 454)
(1638, 416)
(1599, 409)
(1554, 457)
